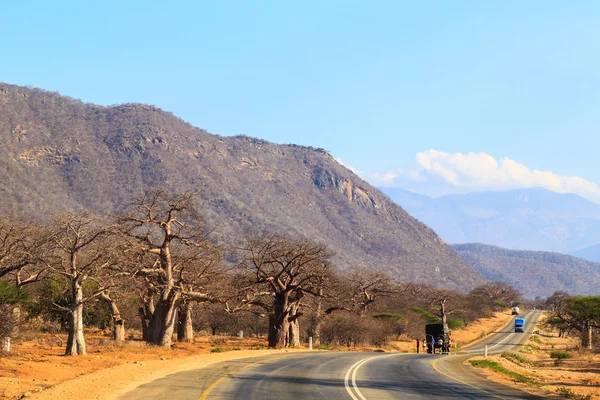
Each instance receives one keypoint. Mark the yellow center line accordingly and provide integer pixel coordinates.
(463, 382)
(221, 379)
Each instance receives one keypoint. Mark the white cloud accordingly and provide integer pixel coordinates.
(384, 178)
(480, 171)
(356, 171)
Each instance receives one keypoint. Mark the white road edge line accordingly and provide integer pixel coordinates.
(351, 373)
(510, 335)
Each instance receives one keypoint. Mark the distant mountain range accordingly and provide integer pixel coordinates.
(534, 273)
(525, 219)
(591, 253)
(59, 154)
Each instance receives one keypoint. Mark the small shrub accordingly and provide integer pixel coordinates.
(559, 356)
(217, 350)
(516, 357)
(499, 368)
(535, 339)
(570, 394)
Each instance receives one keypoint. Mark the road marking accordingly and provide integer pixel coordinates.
(463, 382)
(350, 377)
(221, 379)
(510, 335)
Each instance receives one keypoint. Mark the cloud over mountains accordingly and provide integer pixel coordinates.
(443, 173)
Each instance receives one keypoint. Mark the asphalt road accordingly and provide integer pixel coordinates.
(343, 376)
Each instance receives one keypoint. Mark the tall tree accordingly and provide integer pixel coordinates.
(368, 286)
(170, 237)
(81, 252)
(581, 313)
(285, 270)
(501, 294)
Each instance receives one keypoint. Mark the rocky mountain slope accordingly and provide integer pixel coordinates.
(535, 273)
(58, 154)
(523, 219)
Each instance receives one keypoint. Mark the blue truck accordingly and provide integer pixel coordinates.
(519, 325)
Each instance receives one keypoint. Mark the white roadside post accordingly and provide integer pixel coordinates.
(310, 343)
(7, 344)
(486, 350)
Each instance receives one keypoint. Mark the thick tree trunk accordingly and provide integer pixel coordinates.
(443, 311)
(185, 329)
(162, 325)
(279, 323)
(118, 322)
(76, 340)
(586, 336)
(16, 315)
(294, 329)
(317, 332)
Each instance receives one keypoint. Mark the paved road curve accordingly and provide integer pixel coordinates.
(343, 376)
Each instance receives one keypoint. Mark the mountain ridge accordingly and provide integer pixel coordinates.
(61, 154)
(521, 219)
(535, 273)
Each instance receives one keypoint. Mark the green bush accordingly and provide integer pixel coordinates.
(535, 339)
(570, 394)
(427, 316)
(454, 323)
(516, 357)
(559, 356)
(499, 368)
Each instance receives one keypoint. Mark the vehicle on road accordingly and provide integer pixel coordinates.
(437, 337)
(519, 325)
(515, 311)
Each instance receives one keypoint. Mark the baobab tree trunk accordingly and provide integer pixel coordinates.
(317, 331)
(279, 323)
(162, 325)
(185, 329)
(294, 329)
(76, 340)
(586, 336)
(16, 315)
(443, 311)
(118, 322)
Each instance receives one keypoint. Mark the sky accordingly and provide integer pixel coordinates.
(433, 96)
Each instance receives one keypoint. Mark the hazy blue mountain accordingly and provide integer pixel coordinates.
(534, 273)
(591, 253)
(527, 219)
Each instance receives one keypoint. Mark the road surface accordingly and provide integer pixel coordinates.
(344, 376)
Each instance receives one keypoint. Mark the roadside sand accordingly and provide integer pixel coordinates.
(577, 377)
(111, 383)
(39, 368)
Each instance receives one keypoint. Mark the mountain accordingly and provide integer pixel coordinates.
(591, 253)
(525, 219)
(534, 273)
(59, 154)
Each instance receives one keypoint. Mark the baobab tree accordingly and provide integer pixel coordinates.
(368, 286)
(80, 252)
(285, 270)
(168, 235)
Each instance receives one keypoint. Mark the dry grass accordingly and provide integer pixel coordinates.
(39, 363)
(577, 377)
(480, 329)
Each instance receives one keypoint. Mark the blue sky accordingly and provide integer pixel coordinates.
(401, 91)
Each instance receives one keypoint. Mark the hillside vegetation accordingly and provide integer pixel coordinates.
(59, 154)
(535, 273)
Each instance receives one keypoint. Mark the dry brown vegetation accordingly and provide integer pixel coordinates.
(539, 362)
(59, 154)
